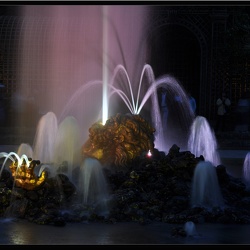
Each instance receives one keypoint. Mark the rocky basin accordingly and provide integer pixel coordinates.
(146, 190)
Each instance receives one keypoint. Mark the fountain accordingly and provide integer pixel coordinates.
(205, 187)
(93, 186)
(190, 229)
(202, 140)
(93, 171)
(25, 149)
(81, 46)
(67, 145)
(119, 141)
(246, 170)
(44, 141)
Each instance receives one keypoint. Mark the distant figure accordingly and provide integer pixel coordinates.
(243, 111)
(222, 103)
(2, 113)
(192, 102)
(2, 107)
(162, 98)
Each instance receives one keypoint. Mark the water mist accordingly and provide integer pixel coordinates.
(205, 187)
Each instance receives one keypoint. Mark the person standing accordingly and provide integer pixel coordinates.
(2, 106)
(243, 112)
(163, 107)
(192, 103)
(222, 103)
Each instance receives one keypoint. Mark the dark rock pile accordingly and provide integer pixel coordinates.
(147, 190)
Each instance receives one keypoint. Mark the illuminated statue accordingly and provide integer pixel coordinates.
(120, 140)
(24, 176)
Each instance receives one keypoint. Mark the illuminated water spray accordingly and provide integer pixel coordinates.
(19, 159)
(246, 170)
(206, 190)
(104, 67)
(202, 141)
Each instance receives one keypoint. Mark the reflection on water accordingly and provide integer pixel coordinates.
(21, 232)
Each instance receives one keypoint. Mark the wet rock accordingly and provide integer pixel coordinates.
(178, 232)
(59, 222)
(155, 189)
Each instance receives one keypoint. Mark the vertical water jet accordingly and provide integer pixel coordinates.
(202, 141)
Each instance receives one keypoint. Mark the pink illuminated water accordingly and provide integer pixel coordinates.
(85, 46)
(68, 145)
(62, 48)
(141, 97)
(44, 141)
(64, 51)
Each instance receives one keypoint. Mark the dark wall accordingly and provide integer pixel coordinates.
(9, 10)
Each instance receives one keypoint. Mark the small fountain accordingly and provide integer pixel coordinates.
(202, 141)
(44, 141)
(93, 186)
(67, 145)
(246, 170)
(22, 170)
(205, 187)
(190, 229)
(25, 149)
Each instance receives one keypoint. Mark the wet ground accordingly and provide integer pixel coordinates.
(22, 232)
